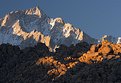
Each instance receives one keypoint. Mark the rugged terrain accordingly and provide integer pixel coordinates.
(26, 28)
(82, 63)
(35, 48)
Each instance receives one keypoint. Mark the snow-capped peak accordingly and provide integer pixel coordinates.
(67, 30)
(55, 22)
(119, 40)
(28, 27)
(34, 11)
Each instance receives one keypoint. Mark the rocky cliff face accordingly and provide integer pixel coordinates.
(25, 28)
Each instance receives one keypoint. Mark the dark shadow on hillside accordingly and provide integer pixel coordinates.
(38, 65)
(21, 65)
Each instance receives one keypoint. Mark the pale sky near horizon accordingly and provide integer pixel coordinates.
(95, 17)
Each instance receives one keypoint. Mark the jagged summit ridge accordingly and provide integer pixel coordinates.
(34, 11)
(27, 27)
(29, 14)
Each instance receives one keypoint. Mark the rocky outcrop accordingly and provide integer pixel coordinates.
(34, 64)
(75, 64)
(101, 53)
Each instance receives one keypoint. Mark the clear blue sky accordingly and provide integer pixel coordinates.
(95, 17)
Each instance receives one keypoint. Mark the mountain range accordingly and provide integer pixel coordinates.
(26, 28)
(35, 48)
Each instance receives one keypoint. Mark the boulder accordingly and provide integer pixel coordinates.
(93, 48)
(105, 49)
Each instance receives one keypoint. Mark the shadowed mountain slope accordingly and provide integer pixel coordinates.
(82, 63)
